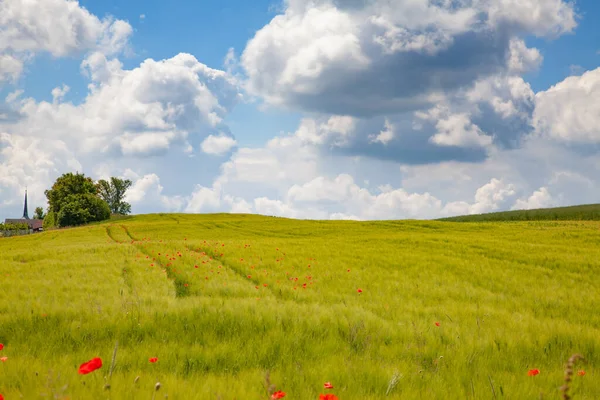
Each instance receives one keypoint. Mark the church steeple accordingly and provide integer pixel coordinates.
(25, 213)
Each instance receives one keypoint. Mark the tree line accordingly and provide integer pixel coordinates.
(75, 199)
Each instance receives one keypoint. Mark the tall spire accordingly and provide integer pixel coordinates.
(25, 213)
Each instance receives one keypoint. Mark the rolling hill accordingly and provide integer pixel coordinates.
(228, 305)
(587, 212)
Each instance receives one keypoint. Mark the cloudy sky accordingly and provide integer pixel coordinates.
(324, 109)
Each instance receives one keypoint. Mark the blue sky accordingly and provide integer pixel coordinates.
(327, 109)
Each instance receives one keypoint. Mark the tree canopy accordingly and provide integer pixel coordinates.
(73, 200)
(39, 213)
(113, 193)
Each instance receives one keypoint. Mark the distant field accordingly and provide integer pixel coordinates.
(588, 212)
(221, 299)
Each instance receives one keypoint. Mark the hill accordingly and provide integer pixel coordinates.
(388, 309)
(587, 212)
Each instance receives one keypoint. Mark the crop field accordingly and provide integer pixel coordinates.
(242, 306)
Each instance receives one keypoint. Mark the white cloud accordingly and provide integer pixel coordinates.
(458, 130)
(539, 199)
(488, 198)
(33, 163)
(218, 145)
(143, 111)
(10, 67)
(521, 58)
(147, 192)
(570, 110)
(385, 136)
(372, 58)
(59, 27)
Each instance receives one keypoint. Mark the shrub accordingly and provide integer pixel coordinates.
(81, 209)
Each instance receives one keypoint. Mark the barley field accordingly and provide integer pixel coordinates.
(242, 306)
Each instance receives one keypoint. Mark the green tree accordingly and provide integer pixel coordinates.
(113, 193)
(67, 185)
(73, 200)
(39, 213)
(81, 209)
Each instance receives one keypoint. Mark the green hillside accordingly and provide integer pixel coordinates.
(220, 300)
(587, 212)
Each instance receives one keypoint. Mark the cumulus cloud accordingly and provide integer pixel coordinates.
(218, 145)
(372, 58)
(31, 163)
(570, 110)
(138, 112)
(147, 193)
(58, 27)
(385, 136)
(539, 199)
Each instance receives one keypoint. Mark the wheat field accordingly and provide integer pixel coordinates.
(240, 306)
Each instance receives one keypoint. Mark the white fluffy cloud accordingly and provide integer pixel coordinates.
(539, 199)
(143, 111)
(371, 58)
(32, 163)
(218, 144)
(570, 110)
(59, 27)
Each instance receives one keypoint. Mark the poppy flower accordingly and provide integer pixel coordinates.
(1, 397)
(3, 359)
(328, 385)
(533, 372)
(278, 395)
(359, 290)
(1, 346)
(328, 397)
(90, 366)
(580, 373)
(153, 360)
(437, 324)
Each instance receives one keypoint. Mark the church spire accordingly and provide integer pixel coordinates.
(25, 213)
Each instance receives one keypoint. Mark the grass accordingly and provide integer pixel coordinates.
(587, 212)
(509, 297)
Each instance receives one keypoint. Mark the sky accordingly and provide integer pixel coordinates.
(312, 109)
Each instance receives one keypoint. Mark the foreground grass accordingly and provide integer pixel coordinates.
(586, 212)
(216, 300)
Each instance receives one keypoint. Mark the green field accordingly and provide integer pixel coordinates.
(222, 299)
(585, 212)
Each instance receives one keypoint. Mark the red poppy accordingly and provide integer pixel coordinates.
(153, 360)
(580, 373)
(249, 276)
(1, 346)
(359, 290)
(328, 397)
(90, 366)
(1, 397)
(3, 359)
(533, 372)
(328, 385)
(437, 324)
(278, 395)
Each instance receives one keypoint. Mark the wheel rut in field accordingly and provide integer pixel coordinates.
(181, 290)
(236, 270)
